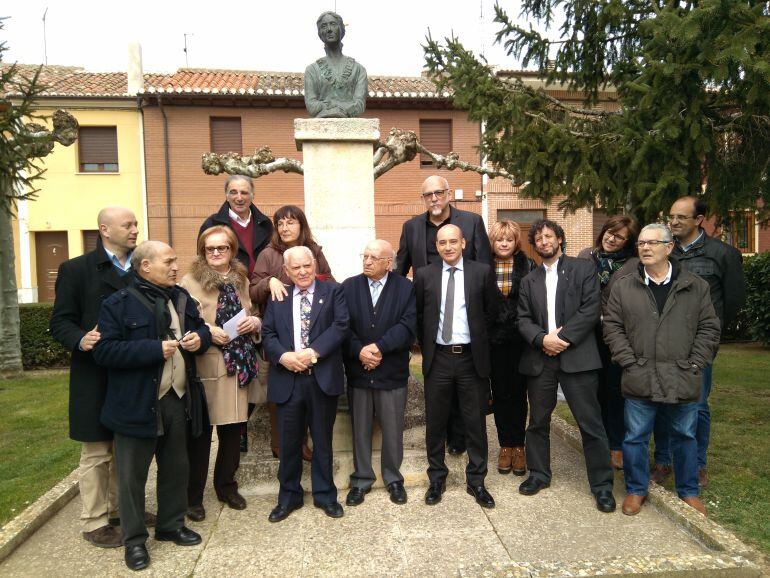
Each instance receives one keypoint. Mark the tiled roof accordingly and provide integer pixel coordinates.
(71, 81)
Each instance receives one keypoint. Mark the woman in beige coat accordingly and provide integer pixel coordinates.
(219, 282)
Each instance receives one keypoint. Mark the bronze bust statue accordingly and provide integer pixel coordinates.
(335, 85)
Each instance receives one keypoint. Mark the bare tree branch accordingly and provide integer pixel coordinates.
(261, 163)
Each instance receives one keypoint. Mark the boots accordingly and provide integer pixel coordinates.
(519, 461)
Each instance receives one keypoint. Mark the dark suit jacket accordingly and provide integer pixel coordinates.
(411, 247)
(82, 284)
(392, 327)
(328, 330)
(480, 301)
(577, 313)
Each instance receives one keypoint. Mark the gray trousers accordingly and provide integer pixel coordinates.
(133, 457)
(388, 405)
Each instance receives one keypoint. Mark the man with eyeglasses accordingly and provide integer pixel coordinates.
(417, 248)
(663, 353)
(721, 265)
(239, 213)
(383, 326)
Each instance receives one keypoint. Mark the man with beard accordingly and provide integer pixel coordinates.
(559, 305)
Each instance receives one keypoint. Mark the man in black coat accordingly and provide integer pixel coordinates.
(149, 332)
(82, 284)
(559, 306)
(456, 302)
(417, 248)
(383, 323)
(238, 212)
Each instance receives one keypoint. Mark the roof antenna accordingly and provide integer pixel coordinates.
(45, 43)
(186, 62)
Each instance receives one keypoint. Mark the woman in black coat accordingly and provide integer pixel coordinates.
(509, 390)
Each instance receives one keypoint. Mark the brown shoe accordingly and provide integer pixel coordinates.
(504, 460)
(519, 461)
(703, 478)
(695, 502)
(105, 537)
(632, 504)
(616, 459)
(660, 473)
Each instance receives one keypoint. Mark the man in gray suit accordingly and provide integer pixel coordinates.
(559, 305)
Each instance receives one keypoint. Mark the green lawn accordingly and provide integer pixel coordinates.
(34, 444)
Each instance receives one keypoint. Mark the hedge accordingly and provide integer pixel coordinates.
(757, 309)
(38, 349)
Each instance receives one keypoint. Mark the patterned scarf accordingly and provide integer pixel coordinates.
(608, 263)
(241, 353)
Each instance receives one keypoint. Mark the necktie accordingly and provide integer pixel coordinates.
(449, 306)
(376, 292)
(304, 319)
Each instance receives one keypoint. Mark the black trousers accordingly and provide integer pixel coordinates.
(509, 391)
(450, 374)
(580, 391)
(307, 403)
(227, 461)
(611, 399)
(133, 457)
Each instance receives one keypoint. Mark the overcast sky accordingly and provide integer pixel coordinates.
(280, 35)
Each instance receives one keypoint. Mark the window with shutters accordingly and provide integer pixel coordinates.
(226, 135)
(740, 233)
(98, 149)
(436, 136)
(89, 241)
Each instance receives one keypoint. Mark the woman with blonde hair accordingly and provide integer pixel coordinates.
(509, 390)
(220, 284)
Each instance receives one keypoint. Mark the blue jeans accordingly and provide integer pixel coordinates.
(703, 427)
(640, 418)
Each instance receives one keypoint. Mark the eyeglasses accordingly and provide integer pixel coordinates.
(679, 217)
(440, 194)
(221, 249)
(651, 243)
(367, 257)
(612, 235)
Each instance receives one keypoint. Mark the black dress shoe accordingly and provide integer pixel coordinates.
(356, 496)
(282, 512)
(455, 450)
(137, 557)
(532, 486)
(181, 537)
(397, 492)
(433, 495)
(483, 498)
(332, 509)
(234, 500)
(605, 501)
(196, 513)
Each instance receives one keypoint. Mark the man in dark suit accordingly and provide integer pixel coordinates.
(559, 306)
(417, 248)
(303, 338)
(81, 285)
(383, 325)
(455, 304)
(238, 212)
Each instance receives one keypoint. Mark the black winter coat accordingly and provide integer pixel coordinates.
(505, 328)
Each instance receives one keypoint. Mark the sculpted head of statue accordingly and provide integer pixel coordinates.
(331, 28)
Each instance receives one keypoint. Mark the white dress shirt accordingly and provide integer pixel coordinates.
(296, 314)
(551, 281)
(242, 222)
(647, 277)
(461, 333)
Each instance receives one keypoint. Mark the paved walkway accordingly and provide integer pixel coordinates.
(556, 529)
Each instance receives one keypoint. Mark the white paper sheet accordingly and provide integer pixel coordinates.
(230, 326)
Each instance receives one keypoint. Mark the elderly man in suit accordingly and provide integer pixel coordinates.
(81, 286)
(559, 305)
(303, 338)
(383, 324)
(456, 302)
(417, 248)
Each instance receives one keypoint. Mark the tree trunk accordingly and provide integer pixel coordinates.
(10, 345)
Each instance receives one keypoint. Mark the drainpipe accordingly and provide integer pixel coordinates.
(168, 172)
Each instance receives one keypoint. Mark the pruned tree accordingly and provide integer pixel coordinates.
(693, 87)
(22, 144)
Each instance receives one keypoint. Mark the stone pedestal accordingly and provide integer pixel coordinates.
(339, 186)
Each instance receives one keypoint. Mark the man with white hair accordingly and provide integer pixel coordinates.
(383, 326)
(303, 339)
(663, 352)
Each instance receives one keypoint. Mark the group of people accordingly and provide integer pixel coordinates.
(628, 329)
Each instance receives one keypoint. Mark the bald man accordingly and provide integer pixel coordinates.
(383, 324)
(149, 333)
(81, 286)
(417, 249)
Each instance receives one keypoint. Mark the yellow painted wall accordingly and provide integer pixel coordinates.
(69, 200)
